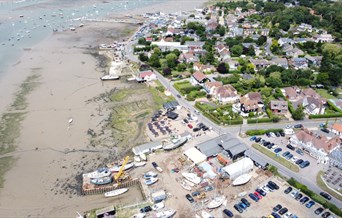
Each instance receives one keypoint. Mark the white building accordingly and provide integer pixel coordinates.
(239, 168)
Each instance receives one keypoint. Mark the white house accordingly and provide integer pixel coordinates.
(336, 128)
(147, 76)
(226, 94)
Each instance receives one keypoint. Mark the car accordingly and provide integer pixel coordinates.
(304, 164)
(294, 159)
(277, 207)
(269, 146)
(277, 134)
(272, 134)
(304, 200)
(300, 151)
(287, 215)
(288, 190)
(258, 139)
(298, 126)
(260, 191)
(325, 130)
(298, 196)
(277, 150)
(238, 208)
(154, 164)
(299, 162)
(196, 129)
(273, 184)
(285, 153)
(205, 128)
(275, 215)
(283, 210)
(282, 133)
(242, 205)
(289, 146)
(244, 200)
(253, 197)
(310, 204)
(178, 96)
(319, 210)
(253, 138)
(190, 199)
(266, 189)
(272, 189)
(200, 125)
(228, 213)
(326, 214)
(268, 134)
(195, 193)
(208, 188)
(190, 126)
(186, 120)
(325, 195)
(288, 157)
(258, 195)
(145, 209)
(294, 216)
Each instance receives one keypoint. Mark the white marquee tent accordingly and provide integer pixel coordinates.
(238, 168)
(195, 155)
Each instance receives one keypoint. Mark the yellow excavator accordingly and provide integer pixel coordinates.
(121, 172)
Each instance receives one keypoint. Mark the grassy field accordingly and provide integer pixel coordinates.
(280, 160)
(322, 185)
(324, 93)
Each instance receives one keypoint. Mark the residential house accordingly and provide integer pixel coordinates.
(233, 64)
(336, 128)
(226, 94)
(323, 38)
(299, 63)
(305, 27)
(147, 76)
(194, 45)
(211, 87)
(318, 146)
(283, 41)
(198, 78)
(235, 31)
(260, 63)
(211, 25)
(264, 32)
(188, 57)
(309, 92)
(291, 93)
(313, 105)
(170, 46)
(281, 62)
(251, 102)
(255, 96)
(248, 32)
(292, 51)
(247, 45)
(172, 31)
(278, 107)
(314, 60)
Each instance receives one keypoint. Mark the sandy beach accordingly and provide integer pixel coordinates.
(50, 152)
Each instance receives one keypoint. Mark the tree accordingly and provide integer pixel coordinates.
(167, 71)
(171, 60)
(142, 41)
(273, 82)
(221, 30)
(236, 50)
(298, 114)
(181, 67)
(156, 51)
(143, 57)
(223, 68)
(322, 78)
(176, 52)
(251, 51)
(154, 60)
(261, 40)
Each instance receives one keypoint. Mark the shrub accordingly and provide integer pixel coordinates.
(252, 132)
(261, 120)
(324, 116)
(332, 106)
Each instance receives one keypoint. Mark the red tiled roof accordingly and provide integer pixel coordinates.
(199, 76)
(337, 127)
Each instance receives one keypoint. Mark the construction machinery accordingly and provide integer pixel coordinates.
(121, 174)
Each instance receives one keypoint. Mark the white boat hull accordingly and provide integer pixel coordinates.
(192, 178)
(243, 179)
(217, 202)
(205, 214)
(139, 164)
(165, 214)
(185, 186)
(117, 168)
(116, 192)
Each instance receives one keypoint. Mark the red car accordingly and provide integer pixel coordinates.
(190, 126)
(258, 195)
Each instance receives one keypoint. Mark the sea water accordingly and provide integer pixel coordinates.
(24, 23)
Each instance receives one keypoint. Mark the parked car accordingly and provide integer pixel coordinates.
(258, 139)
(271, 188)
(287, 215)
(186, 121)
(273, 184)
(275, 215)
(300, 151)
(258, 195)
(190, 126)
(288, 190)
(282, 133)
(304, 200)
(260, 191)
(289, 146)
(283, 211)
(145, 209)
(326, 214)
(268, 134)
(310, 204)
(277, 150)
(242, 205)
(228, 213)
(272, 134)
(288, 157)
(325, 130)
(294, 159)
(244, 200)
(208, 188)
(319, 210)
(178, 96)
(286, 153)
(325, 195)
(299, 162)
(238, 208)
(304, 164)
(266, 189)
(294, 193)
(154, 164)
(196, 129)
(205, 128)
(253, 138)
(298, 196)
(298, 126)
(277, 207)
(195, 193)
(190, 199)
(253, 197)
(277, 134)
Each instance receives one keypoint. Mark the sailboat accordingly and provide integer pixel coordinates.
(165, 214)
(243, 179)
(115, 192)
(192, 178)
(102, 181)
(216, 202)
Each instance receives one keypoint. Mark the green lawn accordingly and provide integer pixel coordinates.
(324, 93)
(280, 160)
(322, 185)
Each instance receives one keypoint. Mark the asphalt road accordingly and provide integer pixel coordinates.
(235, 130)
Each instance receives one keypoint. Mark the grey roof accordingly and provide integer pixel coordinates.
(256, 157)
(151, 145)
(227, 144)
(211, 147)
(194, 43)
(237, 149)
(169, 105)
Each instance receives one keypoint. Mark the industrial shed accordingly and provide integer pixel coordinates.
(239, 168)
(258, 160)
(209, 148)
(147, 148)
(195, 155)
(237, 150)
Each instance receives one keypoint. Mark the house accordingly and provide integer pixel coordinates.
(226, 94)
(264, 32)
(255, 96)
(291, 93)
(188, 57)
(292, 51)
(313, 105)
(323, 38)
(314, 60)
(251, 102)
(248, 32)
(260, 63)
(211, 25)
(194, 45)
(278, 107)
(233, 64)
(235, 31)
(147, 76)
(336, 128)
(247, 45)
(305, 27)
(309, 92)
(281, 62)
(283, 41)
(211, 87)
(172, 31)
(198, 78)
(299, 63)
(318, 146)
(170, 46)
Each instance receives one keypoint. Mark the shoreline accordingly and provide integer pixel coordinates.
(45, 162)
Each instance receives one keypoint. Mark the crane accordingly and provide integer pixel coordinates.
(121, 171)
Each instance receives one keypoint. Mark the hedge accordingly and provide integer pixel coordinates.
(252, 132)
(333, 208)
(324, 116)
(261, 120)
(334, 107)
(290, 106)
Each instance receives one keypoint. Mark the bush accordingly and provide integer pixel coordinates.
(324, 116)
(331, 105)
(261, 120)
(290, 106)
(252, 132)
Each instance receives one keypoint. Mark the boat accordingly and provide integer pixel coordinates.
(117, 168)
(165, 214)
(189, 183)
(205, 214)
(185, 186)
(72, 28)
(110, 77)
(137, 159)
(102, 181)
(158, 206)
(159, 169)
(143, 157)
(115, 192)
(139, 164)
(175, 143)
(192, 178)
(139, 215)
(243, 179)
(151, 181)
(216, 202)
(99, 173)
(81, 25)
(150, 174)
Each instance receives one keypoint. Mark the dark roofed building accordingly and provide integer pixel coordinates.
(237, 150)
(170, 105)
(257, 159)
(172, 115)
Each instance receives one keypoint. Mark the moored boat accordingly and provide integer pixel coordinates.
(117, 168)
(243, 179)
(175, 143)
(99, 173)
(165, 214)
(137, 159)
(115, 192)
(192, 178)
(110, 77)
(216, 202)
(151, 181)
(102, 181)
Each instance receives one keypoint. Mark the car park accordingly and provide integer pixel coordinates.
(326, 214)
(310, 204)
(289, 146)
(244, 200)
(304, 200)
(283, 210)
(145, 209)
(277, 207)
(190, 199)
(304, 164)
(288, 190)
(277, 150)
(253, 197)
(228, 213)
(238, 208)
(299, 162)
(325, 195)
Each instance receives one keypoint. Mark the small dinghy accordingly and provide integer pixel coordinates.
(117, 168)
(158, 206)
(139, 164)
(115, 192)
(186, 186)
(150, 174)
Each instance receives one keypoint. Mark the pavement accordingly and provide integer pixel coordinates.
(235, 130)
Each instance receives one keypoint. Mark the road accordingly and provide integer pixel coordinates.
(235, 130)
